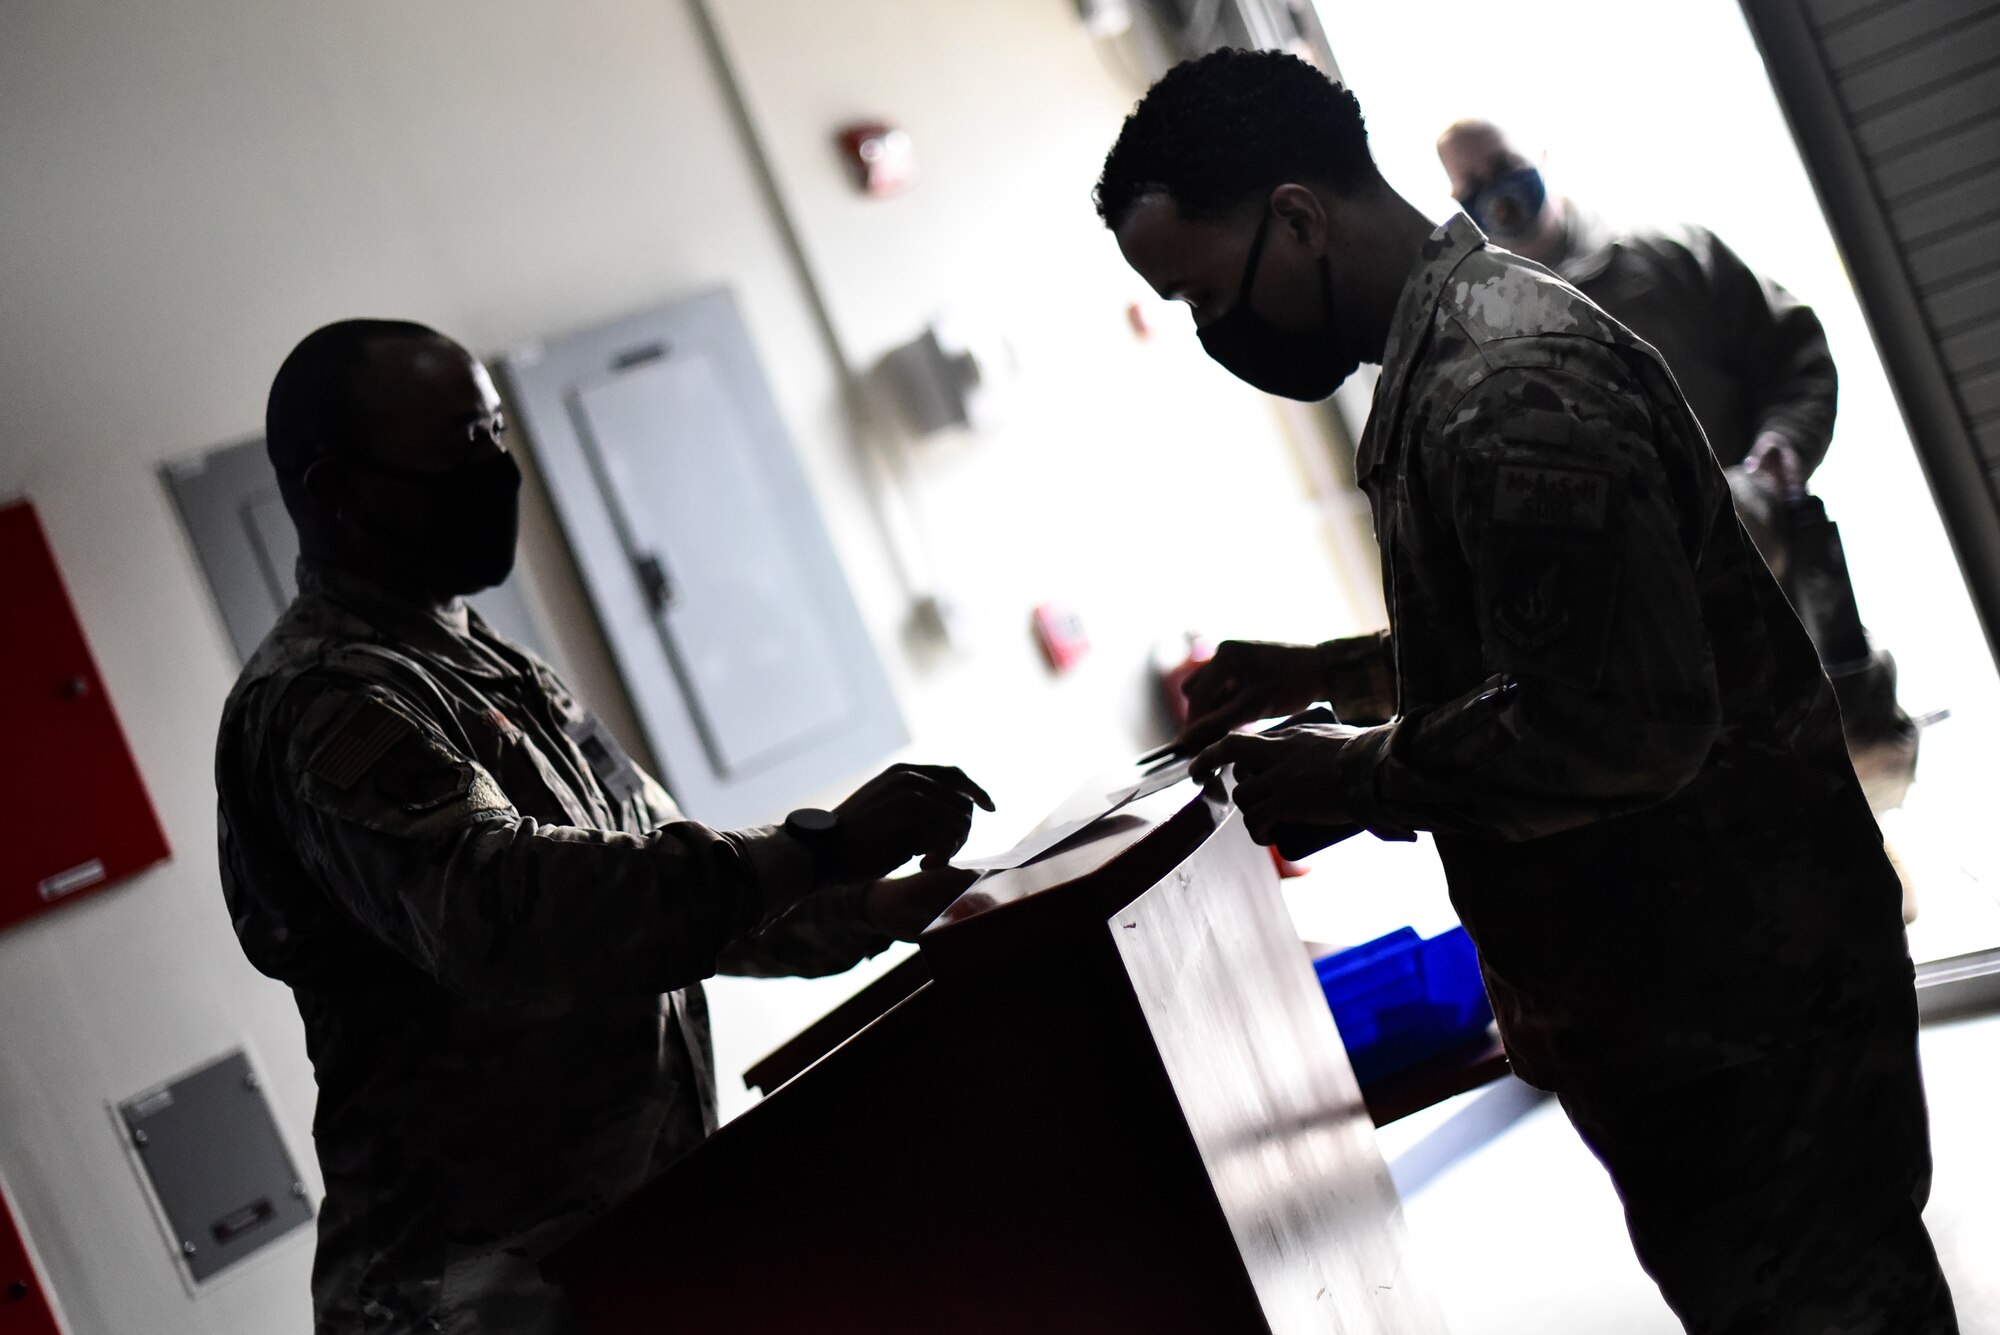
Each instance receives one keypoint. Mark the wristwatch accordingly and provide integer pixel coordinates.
(813, 827)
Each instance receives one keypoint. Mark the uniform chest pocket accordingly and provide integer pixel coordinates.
(536, 787)
(613, 769)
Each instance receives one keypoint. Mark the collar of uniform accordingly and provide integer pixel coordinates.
(1588, 244)
(444, 632)
(1443, 251)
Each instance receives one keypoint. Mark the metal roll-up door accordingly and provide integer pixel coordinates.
(1896, 108)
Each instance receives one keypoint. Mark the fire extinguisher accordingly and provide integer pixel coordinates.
(1195, 649)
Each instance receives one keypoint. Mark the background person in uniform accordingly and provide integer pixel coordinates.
(1750, 357)
(494, 924)
(1591, 690)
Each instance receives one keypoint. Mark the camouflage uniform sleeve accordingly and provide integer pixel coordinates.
(823, 934)
(1601, 695)
(1776, 345)
(1358, 675)
(417, 842)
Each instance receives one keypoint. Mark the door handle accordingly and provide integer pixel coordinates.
(652, 573)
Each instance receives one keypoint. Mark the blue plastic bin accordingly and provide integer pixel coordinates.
(1399, 998)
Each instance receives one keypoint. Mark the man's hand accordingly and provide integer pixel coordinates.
(904, 811)
(1285, 779)
(904, 905)
(1776, 465)
(1245, 681)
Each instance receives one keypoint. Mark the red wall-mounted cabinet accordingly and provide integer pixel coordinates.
(24, 1307)
(78, 818)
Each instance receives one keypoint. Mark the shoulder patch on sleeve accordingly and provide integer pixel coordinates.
(1571, 498)
(1550, 605)
(423, 778)
(1533, 608)
(370, 732)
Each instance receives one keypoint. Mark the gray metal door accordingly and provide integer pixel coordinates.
(711, 571)
(1896, 108)
(754, 657)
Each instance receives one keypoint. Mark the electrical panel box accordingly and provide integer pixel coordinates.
(78, 817)
(220, 1173)
(710, 568)
(235, 517)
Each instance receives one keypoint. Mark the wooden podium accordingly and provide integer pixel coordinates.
(1105, 1096)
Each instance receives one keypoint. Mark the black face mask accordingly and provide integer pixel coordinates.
(1294, 366)
(473, 516)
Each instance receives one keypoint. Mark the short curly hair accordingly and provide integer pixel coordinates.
(1216, 131)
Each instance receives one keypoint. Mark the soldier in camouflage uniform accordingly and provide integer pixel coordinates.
(494, 923)
(1592, 692)
(1750, 357)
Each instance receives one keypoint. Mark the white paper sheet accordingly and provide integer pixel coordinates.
(1084, 808)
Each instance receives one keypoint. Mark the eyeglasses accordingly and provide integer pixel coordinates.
(477, 431)
(493, 428)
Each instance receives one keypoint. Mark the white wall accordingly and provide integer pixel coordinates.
(1128, 478)
(1123, 468)
(188, 187)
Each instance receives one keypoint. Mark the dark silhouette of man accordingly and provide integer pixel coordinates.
(494, 923)
(1754, 364)
(1591, 690)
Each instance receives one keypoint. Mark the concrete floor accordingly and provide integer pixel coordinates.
(1515, 1225)
(1517, 1232)
(1943, 834)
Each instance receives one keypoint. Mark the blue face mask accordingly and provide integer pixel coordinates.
(1507, 207)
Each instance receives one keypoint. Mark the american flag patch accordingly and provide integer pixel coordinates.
(368, 734)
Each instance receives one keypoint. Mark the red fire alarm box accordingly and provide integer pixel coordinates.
(78, 818)
(882, 157)
(1060, 633)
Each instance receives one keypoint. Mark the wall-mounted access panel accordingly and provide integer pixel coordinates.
(78, 817)
(706, 557)
(219, 1172)
(229, 502)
